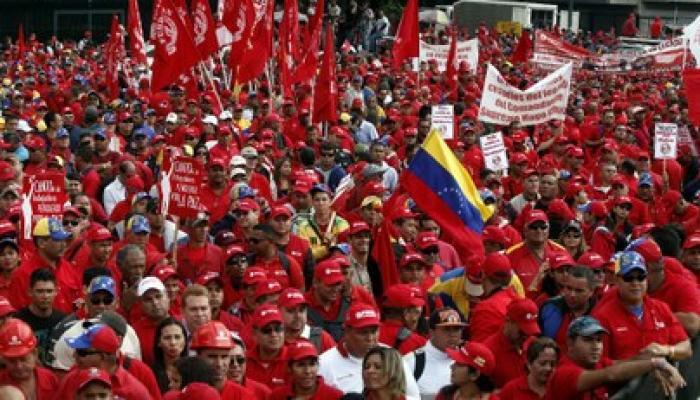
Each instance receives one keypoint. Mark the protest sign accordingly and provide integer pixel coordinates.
(494, 151)
(684, 138)
(185, 180)
(502, 103)
(443, 120)
(665, 141)
(467, 51)
(45, 195)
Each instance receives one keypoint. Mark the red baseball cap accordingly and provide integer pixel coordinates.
(410, 258)
(495, 234)
(405, 213)
(266, 314)
(402, 296)
(247, 205)
(165, 272)
(199, 391)
(86, 376)
(691, 241)
(357, 227)
(597, 208)
(524, 313)
(592, 260)
(535, 216)
(622, 200)
(560, 260)
(269, 286)
(647, 248)
(254, 275)
(234, 250)
(519, 158)
(329, 272)
(641, 230)
(291, 297)
(301, 349)
(425, 240)
(497, 265)
(475, 355)
(362, 315)
(302, 186)
(217, 162)
(276, 211)
(207, 277)
(99, 233)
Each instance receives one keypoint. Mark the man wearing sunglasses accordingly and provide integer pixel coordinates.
(267, 360)
(639, 324)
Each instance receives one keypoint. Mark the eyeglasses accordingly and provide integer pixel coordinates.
(271, 328)
(73, 223)
(105, 300)
(540, 226)
(239, 360)
(633, 278)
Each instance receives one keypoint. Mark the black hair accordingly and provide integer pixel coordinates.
(539, 345)
(669, 239)
(581, 271)
(41, 275)
(195, 369)
(93, 272)
(266, 229)
(307, 156)
(158, 366)
(85, 153)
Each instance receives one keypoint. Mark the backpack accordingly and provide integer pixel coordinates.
(420, 364)
(334, 327)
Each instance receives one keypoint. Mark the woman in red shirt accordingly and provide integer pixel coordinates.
(542, 358)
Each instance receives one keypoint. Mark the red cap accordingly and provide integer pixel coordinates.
(404, 213)
(495, 234)
(559, 260)
(497, 265)
(253, 275)
(648, 249)
(357, 227)
(199, 391)
(207, 277)
(276, 211)
(622, 200)
(7, 227)
(291, 297)
(402, 296)
(302, 186)
(99, 233)
(519, 158)
(671, 198)
(475, 355)
(329, 272)
(535, 216)
(212, 335)
(591, 259)
(301, 349)
(165, 272)
(641, 230)
(266, 314)
(598, 209)
(217, 162)
(86, 376)
(425, 240)
(361, 315)
(692, 241)
(234, 250)
(36, 142)
(524, 313)
(410, 258)
(247, 205)
(270, 286)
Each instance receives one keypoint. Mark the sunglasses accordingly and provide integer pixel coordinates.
(633, 278)
(239, 360)
(272, 328)
(72, 223)
(627, 207)
(536, 226)
(106, 300)
(430, 250)
(238, 260)
(86, 352)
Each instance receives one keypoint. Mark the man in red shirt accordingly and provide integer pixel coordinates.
(527, 256)
(326, 304)
(304, 381)
(243, 309)
(293, 306)
(583, 372)
(198, 256)
(21, 359)
(213, 342)
(216, 192)
(486, 318)
(402, 309)
(267, 360)
(507, 345)
(98, 253)
(215, 286)
(639, 324)
(691, 255)
(155, 305)
(267, 256)
(292, 245)
(50, 243)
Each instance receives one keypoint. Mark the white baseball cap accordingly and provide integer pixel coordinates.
(210, 119)
(172, 117)
(148, 283)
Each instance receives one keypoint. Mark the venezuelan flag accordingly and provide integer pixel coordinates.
(442, 188)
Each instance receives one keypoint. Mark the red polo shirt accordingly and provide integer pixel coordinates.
(195, 261)
(323, 392)
(234, 391)
(145, 329)
(526, 264)
(294, 277)
(488, 315)
(258, 389)
(298, 248)
(388, 334)
(518, 390)
(69, 283)
(143, 373)
(328, 314)
(46, 382)
(272, 373)
(124, 385)
(629, 335)
(563, 383)
(681, 295)
(510, 362)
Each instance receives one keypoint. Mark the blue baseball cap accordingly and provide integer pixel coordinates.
(99, 337)
(246, 192)
(139, 224)
(50, 227)
(105, 283)
(146, 131)
(100, 132)
(62, 133)
(585, 326)
(487, 194)
(645, 179)
(109, 118)
(629, 261)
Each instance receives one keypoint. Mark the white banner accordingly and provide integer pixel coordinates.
(665, 141)
(494, 150)
(691, 34)
(502, 103)
(443, 120)
(467, 51)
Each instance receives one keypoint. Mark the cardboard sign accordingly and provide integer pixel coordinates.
(502, 103)
(467, 51)
(494, 150)
(44, 195)
(185, 180)
(665, 141)
(443, 120)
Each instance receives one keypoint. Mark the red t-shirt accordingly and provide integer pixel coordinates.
(195, 261)
(681, 295)
(272, 373)
(145, 329)
(68, 281)
(510, 362)
(564, 382)
(488, 315)
(518, 390)
(294, 277)
(323, 392)
(46, 382)
(234, 391)
(388, 334)
(524, 262)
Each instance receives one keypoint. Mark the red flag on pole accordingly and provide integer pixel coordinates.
(21, 45)
(204, 28)
(115, 52)
(259, 47)
(691, 80)
(451, 68)
(175, 51)
(136, 42)
(326, 92)
(522, 51)
(406, 44)
(383, 250)
(307, 69)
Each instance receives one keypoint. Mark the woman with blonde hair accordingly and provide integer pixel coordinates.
(383, 374)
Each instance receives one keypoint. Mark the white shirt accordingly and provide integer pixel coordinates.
(345, 373)
(64, 354)
(436, 373)
(113, 194)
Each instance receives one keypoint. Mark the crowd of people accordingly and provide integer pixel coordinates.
(590, 276)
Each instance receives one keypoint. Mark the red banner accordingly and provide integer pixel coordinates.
(47, 194)
(185, 182)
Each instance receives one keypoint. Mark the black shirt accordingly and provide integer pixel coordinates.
(42, 327)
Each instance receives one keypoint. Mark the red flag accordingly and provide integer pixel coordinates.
(136, 43)
(691, 80)
(326, 92)
(451, 68)
(306, 70)
(259, 47)
(203, 28)
(406, 44)
(522, 52)
(237, 20)
(21, 45)
(114, 53)
(383, 250)
(174, 50)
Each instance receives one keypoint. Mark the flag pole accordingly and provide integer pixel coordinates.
(206, 74)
